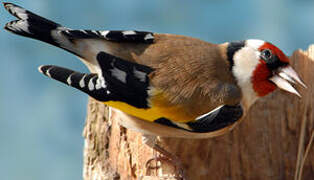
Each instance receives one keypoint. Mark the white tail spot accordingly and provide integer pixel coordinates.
(21, 26)
(20, 12)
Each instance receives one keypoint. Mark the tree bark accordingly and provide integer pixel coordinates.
(272, 142)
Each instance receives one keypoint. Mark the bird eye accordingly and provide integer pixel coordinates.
(266, 54)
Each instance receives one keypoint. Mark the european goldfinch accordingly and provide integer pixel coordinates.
(166, 85)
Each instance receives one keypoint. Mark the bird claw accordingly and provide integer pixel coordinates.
(173, 160)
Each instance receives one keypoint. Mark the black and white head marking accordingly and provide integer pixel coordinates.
(232, 48)
(245, 57)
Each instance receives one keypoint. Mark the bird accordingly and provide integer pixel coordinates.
(164, 84)
(164, 80)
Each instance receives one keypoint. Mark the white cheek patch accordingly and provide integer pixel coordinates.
(245, 62)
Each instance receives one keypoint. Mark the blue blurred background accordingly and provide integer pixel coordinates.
(41, 120)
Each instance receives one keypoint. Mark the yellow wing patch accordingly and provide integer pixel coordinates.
(159, 108)
(146, 114)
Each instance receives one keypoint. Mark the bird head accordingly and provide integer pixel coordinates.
(260, 67)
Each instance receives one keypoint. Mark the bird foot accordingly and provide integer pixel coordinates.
(179, 173)
(164, 156)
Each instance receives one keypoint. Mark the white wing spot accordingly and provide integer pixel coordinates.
(108, 92)
(102, 81)
(83, 31)
(112, 62)
(48, 72)
(104, 33)
(82, 81)
(119, 74)
(69, 81)
(40, 69)
(98, 84)
(148, 36)
(91, 85)
(140, 75)
(204, 115)
(126, 33)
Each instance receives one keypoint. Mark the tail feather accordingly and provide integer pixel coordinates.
(75, 41)
(37, 27)
(24, 14)
(30, 25)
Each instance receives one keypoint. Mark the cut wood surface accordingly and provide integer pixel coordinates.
(272, 142)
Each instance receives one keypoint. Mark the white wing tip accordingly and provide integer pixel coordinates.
(40, 69)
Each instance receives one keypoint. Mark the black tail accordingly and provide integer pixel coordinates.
(36, 27)
(33, 26)
(30, 25)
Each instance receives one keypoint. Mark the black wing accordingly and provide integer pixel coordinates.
(119, 80)
(217, 119)
(118, 36)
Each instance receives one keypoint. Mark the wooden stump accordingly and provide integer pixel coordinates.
(270, 143)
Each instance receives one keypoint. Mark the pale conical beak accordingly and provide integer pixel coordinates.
(284, 77)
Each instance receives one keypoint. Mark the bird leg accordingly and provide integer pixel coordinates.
(164, 156)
